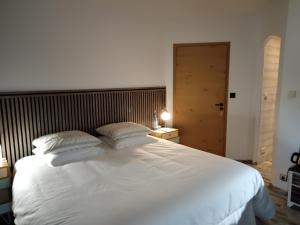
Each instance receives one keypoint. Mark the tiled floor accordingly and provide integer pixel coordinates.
(284, 215)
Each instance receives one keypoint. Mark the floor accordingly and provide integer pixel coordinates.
(284, 215)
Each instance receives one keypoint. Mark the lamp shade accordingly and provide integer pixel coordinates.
(165, 116)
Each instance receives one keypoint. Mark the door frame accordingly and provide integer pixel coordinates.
(257, 158)
(228, 44)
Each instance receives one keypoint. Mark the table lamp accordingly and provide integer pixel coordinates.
(165, 116)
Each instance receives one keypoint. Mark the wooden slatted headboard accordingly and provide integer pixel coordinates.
(27, 115)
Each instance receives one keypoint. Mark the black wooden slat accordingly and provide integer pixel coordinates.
(88, 112)
(2, 139)
(38, 117)
(10, 124)
(42, 116)
(6, 146)
(80, 113)
(121, 106)
(131, 106)
(136, 109)
(101, 109)
(106, 107)
(30, 122)
(19, 120)
(75, 110)
(66, 113)
(84, 112)
(59, 113)
(126, 103)
(139, 108)
(70, 112)
(33, 117)
(54, 118)
(45, 112)
(23, 127)
(62, 113)
(109, 106)
(114, 110)
(94, 112)
(48, 112)
(51, 114)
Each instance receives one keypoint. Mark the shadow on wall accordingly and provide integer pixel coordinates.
(241, 142)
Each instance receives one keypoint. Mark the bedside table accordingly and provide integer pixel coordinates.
(170, 134)
(5, 187)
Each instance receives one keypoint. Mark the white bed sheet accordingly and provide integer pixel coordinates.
(160, 183)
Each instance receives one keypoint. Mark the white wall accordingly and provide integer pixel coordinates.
(78, 44)
(64, 44)
(288, 133)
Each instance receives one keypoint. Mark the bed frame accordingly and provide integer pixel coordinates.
(27, 115)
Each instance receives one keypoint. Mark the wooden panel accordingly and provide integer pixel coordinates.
(200, 82)
(27, 115)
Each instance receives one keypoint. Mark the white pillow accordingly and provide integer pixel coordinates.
(122, 130)
(58, 149)
(53, 142)
(128, 141)
(47, 142)
(72, 155)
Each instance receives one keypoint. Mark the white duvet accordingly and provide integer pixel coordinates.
(161, 183)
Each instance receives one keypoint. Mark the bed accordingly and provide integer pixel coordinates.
(159, 183)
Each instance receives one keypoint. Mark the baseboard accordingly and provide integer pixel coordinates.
(283, 192)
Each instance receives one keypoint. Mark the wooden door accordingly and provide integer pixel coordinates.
(200, 95)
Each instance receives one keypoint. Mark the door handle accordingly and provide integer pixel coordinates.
(220, 104)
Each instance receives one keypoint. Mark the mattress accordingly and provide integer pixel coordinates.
(161, 183)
